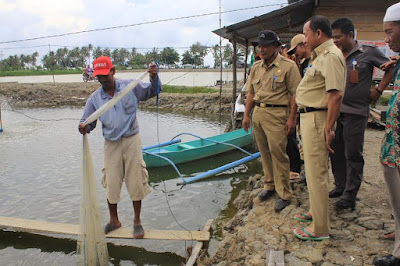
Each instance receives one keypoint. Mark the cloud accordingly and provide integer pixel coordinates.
(23, 19)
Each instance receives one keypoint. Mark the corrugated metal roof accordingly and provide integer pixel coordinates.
(286, 22)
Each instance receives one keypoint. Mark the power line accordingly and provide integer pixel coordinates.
(103, 47)
(138, 24)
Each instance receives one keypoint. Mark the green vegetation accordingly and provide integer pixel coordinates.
(187, 90)
(4, 73)
(79, 57)
(39, 72)
(383, 100)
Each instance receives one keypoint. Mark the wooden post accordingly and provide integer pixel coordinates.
(274, 257)
(234, 69)
(245, 62)
(234, 87)
(199, 245)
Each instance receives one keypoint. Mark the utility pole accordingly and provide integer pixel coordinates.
(51, 68)
(220, 57)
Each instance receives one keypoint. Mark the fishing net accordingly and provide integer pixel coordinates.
(92, 246)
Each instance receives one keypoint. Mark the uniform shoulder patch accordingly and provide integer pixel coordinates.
(287, 60)
(257, 63)
(368, 45)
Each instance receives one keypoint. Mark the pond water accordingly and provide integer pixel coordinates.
(182, 77)
(40, 172)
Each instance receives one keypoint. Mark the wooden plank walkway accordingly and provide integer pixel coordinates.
(43, 227)
(199, 245)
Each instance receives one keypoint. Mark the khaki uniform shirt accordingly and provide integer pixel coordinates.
(273, 84)
(327, 71)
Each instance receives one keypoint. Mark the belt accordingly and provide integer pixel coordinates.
(310, 109)
(263, 105)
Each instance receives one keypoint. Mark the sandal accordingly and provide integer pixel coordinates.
(110, 227)
(387, 236)
(303, 217)
(138, 231)
(303, 234)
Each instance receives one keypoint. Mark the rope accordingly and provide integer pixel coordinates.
(13, 109)
(214, 141)
(158, 90)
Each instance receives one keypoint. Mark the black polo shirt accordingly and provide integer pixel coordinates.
(356, 96)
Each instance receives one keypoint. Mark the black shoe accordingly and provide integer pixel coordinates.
(345, 204)
(389, 260)
(265, 194)
(280, 204)
(335, 193)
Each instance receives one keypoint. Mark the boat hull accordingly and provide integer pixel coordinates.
(197, 149)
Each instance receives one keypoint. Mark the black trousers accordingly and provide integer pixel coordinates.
(292, 150)
(348, 159)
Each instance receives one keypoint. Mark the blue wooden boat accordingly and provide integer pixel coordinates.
(197, 149)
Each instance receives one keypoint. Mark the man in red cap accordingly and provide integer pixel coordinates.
(123, 160)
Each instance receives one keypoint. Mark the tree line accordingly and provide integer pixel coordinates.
(79, 57)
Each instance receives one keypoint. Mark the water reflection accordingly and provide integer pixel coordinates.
(40, 171)
(46, 250)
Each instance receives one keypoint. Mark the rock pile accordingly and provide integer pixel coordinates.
(354, 235)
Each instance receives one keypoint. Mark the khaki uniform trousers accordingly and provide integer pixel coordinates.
(269, 131)
(316, 166)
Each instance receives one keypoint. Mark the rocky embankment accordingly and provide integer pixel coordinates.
(76, 94)
(354, 235)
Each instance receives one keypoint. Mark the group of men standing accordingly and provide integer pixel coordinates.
(330, 90)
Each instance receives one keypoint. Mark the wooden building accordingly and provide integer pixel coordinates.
(367, 16)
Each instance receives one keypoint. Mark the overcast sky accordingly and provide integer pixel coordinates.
(24, 19)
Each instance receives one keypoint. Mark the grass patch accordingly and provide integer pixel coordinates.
(40, 72)
(187, 90)
(383, 100)
(14, 73)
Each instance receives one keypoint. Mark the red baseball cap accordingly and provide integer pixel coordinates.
(102, 66)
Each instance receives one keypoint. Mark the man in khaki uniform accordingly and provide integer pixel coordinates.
(271, 89)
(318, 97)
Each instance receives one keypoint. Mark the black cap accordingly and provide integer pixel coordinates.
(267, 37)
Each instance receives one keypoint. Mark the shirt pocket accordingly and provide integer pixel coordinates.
(279, 83)
(310, 76)
(128, 104)
(310, 72)
(256, 83)
(361, 66)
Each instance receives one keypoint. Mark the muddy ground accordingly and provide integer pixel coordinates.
(76, 94)
(354, 235)
(256, 227)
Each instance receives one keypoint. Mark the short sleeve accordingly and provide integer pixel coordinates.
(334, 72)
(293, 79)
(377, 57)
(249, 87)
